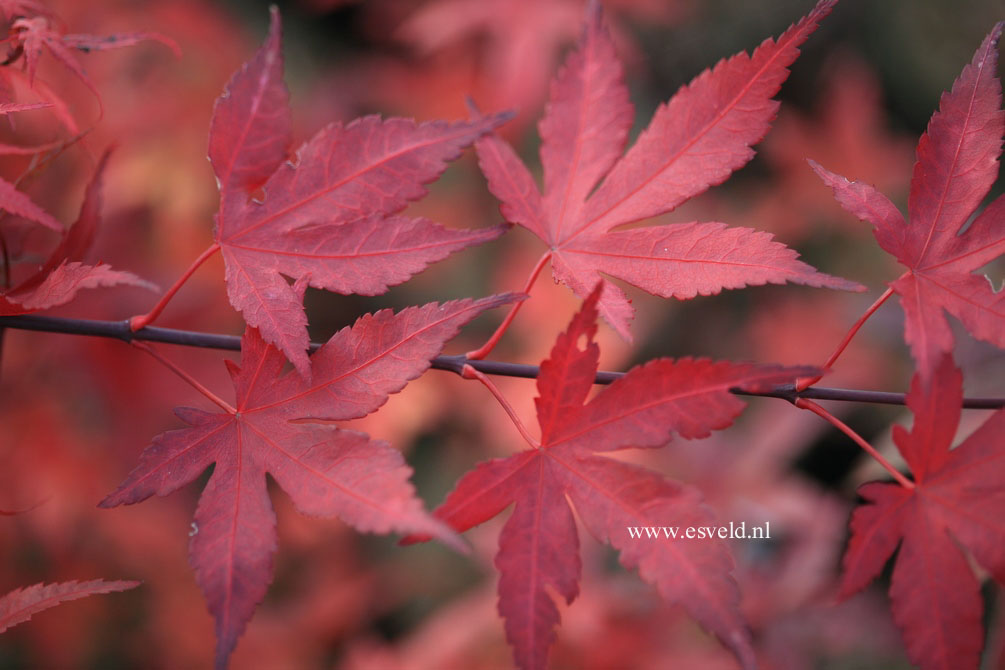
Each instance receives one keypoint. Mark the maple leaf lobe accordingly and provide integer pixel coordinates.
(35, 32)
(21, 604)
(957, 163)
(538, 547)
(18, 203)
(329, 217)
(695, 140)
(275, 429)
(253, 110)
(62, 274)
(957, 502)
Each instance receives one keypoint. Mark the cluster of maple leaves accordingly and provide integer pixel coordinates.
(330, 215)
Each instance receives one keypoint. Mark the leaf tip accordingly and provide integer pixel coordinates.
(594, 13)
(823, 8)
(996, 33)
(414, 538)
(500, 299)
(825, 175)
(452, 539)
(473, 109)
(499, 118)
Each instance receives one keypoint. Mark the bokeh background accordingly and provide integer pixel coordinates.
(76, 412)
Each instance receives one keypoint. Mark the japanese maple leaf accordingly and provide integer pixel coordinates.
(50, 98)
(20, 604)
(957, 502)
(539, 545)
(693, 141)
(17, 202)
(517, 42)
(10, 9)
(328, 219)
(956, 167)
(63, 274)
(274, 427)
(33, 33)
(11, 107)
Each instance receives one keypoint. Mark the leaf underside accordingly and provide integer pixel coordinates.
(329, 217)
(694, 141)
(957, 165)
(20, 605)
(957, 503)
(539, 545)
(280, 427)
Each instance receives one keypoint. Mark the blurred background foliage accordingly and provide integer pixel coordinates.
(75, 412)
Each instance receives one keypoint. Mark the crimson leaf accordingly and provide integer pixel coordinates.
(329, 218)
(20, 604)
(957, 500)
(695, 140)
(957, 165)
(274, 428)
(539, 545)
(57, 281)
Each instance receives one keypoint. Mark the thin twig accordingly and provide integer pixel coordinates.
(5, 257)
(143, 320)
(484, 350)
(803, 403)
(810, 381)
(120, 330)
(469, 372)
(192, 381)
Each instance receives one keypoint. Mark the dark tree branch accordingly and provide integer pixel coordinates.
(120, 330)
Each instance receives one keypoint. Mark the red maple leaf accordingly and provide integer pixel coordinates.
(11, 107)
(539, 545)
(957, 165)
(276, 427)
(328, 219)
(57, 281)
(695, 140)
(11, 9)
(514, 44)
(35, 32)
(20, 604)
(17, 202)
(957, 501)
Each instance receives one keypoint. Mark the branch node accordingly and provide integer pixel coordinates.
(127, 332)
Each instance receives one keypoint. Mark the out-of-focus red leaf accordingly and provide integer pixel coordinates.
(59, 279)
(62, 284)
(11, 9)
(88, 43)
(21, 604)
(35, 32)
(60, 109)
(12, 107)
(16, 202)
(510, 46)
